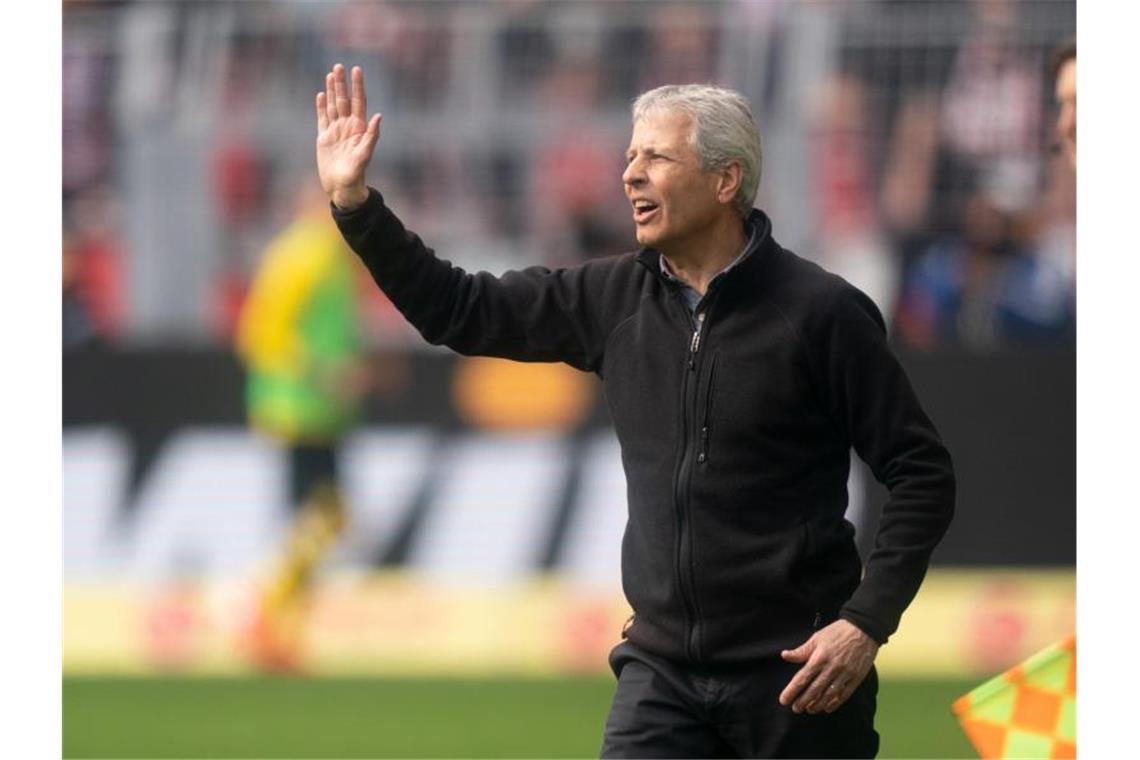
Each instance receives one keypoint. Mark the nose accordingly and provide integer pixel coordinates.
(634, 174)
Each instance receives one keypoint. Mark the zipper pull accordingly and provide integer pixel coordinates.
(696, 341)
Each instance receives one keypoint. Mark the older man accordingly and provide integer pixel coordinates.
(738, 376)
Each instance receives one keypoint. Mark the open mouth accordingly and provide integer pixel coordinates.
(643, 211)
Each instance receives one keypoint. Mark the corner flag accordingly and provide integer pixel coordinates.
(1030, 711)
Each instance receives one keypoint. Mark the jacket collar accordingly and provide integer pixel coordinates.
(759, 245)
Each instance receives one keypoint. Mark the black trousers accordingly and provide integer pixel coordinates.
(666, 709)
(311, 465)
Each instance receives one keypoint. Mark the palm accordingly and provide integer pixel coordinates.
(343, 152)
(345, 141)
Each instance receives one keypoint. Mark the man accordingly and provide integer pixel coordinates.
(738, 376)
(1064, 66)
(299, 338)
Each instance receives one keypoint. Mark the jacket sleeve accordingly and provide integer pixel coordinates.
(872, 400)
(534, 314)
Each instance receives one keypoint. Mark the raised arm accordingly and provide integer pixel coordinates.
(345, 140)
(530, 315)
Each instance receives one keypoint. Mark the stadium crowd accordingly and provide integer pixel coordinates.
(927, 130)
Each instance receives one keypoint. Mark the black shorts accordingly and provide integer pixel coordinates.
(666, 709)
(309, 467)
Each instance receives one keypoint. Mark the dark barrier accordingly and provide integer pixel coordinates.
(1008, 418)
(1010, 422)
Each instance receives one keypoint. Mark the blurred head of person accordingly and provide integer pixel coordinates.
(1064, 66)
(995, 16)
(682, 41)
(694, 164)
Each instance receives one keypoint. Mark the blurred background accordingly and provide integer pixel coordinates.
(908, 145)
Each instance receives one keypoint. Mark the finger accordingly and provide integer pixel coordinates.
(322, 113)
(330, 97)
(833, 696)
(343, 107)
(803, 678)
(843, 690)
(359, 98)
(796, 686)
(835, 700)
(845, 687)
(800, 653)
(811, 695)
(372, 134)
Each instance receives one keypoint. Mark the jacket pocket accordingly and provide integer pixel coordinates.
(703, 449)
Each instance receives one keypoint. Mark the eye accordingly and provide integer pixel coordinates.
(630, 157)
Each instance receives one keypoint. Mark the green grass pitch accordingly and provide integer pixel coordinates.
(353, 718)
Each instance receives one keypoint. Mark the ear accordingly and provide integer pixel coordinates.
(729, 180)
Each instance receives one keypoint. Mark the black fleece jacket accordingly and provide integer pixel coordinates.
(735, 427)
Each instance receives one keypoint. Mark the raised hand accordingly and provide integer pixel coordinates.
(344, 140)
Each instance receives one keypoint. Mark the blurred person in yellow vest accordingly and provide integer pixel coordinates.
(299, 338)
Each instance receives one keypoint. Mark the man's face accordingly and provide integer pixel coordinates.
(1067, 101)
(673, 200)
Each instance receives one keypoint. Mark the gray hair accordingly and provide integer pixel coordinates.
(723, 133)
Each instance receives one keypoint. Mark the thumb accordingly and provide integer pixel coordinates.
(372, 133)
(800, 653)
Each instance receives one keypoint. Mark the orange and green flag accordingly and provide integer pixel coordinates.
(1030, 711)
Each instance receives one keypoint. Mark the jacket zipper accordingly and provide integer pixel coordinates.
(695, 343)
(682, 446)
(694, 641)
(684, 480)
(680, 484)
